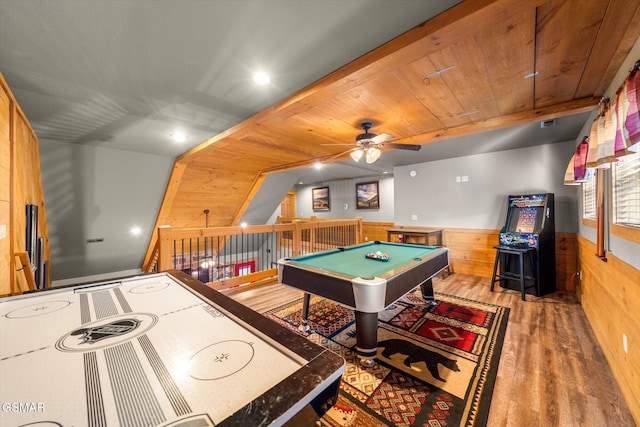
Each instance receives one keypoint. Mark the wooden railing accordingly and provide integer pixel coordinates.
(25, 280)
(225, 257)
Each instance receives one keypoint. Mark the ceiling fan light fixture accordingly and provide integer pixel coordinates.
(356, 155)
(373, 154)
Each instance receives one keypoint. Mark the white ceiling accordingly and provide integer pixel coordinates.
(125, 74)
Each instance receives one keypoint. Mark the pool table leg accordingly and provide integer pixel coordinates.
(305, 312)
(427, 291)
(366, 337)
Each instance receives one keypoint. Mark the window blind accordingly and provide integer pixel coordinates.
(589, 198)
(626, 191)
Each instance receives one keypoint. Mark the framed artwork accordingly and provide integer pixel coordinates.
(320, 199)
(367, 195)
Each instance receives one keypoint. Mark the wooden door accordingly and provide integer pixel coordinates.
(288, 205)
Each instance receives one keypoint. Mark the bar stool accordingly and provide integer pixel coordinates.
(520, 276)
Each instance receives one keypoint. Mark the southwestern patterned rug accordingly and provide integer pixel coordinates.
(436, 364)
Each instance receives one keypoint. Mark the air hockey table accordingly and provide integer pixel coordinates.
(353, 277)
(155, 350)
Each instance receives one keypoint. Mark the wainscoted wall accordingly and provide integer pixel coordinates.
(471, 250)
(610, 296)
(20, 185)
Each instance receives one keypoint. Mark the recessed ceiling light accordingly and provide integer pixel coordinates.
(178, 137)
(318, 165)
(136, 231)
(261, 78)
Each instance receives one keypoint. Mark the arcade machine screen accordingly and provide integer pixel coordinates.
(524, 221)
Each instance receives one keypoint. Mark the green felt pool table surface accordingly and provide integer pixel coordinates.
(353, 262)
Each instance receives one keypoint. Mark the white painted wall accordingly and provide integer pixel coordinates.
(437, 199)
(90, 192)
(343, 193)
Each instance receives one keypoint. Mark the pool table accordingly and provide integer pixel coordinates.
(366, 285)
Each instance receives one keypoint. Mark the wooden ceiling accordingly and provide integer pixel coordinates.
(573, 47)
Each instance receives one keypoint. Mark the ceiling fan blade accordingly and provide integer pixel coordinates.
(342, 153)
(414, 147)
(378, 139)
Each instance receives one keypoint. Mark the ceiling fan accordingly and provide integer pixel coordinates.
(369, 144)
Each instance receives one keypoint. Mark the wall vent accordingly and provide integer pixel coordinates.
(98, 240)
(548, 123)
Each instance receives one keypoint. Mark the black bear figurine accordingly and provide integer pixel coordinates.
(417, 354)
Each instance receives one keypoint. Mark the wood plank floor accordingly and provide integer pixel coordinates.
(552, 371)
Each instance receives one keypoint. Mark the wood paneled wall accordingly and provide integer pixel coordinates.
(5, 188)
(471, 250)
(376, 230)
(609, 292)
(20, 184)
(610, 296)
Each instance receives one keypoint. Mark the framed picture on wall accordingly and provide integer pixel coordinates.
(367, 195)
(320, 199)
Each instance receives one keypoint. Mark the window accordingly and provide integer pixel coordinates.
(593, 190)
(626, 191)
(589, 198)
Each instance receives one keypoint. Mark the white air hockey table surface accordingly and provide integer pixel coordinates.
(155, 350)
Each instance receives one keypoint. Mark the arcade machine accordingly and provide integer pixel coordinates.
(530, 224)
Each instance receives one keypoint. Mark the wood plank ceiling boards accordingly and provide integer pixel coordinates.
(479, 66)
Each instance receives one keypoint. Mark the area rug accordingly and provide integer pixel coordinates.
(436, 364)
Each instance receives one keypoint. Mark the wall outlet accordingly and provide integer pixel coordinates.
(457, 179)
(625, 345)
(465, 178)
(414, 217)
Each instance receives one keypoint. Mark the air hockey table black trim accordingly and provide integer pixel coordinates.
(322, 363)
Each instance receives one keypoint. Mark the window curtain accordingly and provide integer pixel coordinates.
(576, 172)
(615, 133)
